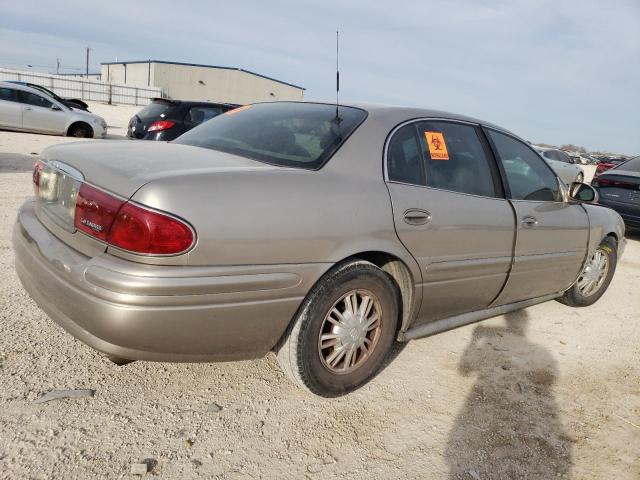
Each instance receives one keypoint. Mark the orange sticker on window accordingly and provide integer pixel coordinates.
(437, 147)
(238, 110)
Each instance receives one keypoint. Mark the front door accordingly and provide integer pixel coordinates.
(552, 234)
(39, 114)
(450, 213)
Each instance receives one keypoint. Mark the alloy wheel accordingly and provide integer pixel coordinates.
(350, 331)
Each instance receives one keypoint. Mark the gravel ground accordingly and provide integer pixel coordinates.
(546, 392)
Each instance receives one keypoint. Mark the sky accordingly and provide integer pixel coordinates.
(552, 71)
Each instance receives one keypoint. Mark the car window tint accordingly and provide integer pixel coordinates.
(36, 100)
(197, 115)
(404, 163)
(292, 134)
(563, 157)
(153, 110)
(8, 94)
(455, 158)
(529, 177)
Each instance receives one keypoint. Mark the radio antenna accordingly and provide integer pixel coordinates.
(337, 75)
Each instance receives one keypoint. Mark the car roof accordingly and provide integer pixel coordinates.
(21, 86)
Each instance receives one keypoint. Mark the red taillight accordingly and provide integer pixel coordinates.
(129, 227)
(37, 169)
(144, 231)
(160, 125)
(96, 211)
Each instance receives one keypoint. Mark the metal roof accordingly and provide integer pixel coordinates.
(205, 66)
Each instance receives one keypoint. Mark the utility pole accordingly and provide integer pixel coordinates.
(57, 66)
(87, 71)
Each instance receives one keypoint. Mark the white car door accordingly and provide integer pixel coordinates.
(42, 114)
(10, 108)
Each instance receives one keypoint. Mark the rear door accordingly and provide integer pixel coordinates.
(10, 108)
(40, 114)
(552, 234)
(450, 213)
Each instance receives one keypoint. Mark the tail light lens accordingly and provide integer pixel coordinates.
(144, 231)
(130, 227)
(160, 125)
(96, 211)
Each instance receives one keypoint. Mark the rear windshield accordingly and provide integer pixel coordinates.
(154, 110)
(632, 165)
(302, 135)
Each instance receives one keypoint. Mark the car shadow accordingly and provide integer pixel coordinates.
(509, 426)
(16, 162)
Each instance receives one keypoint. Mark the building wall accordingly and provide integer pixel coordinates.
(136, 74)
(187, 82)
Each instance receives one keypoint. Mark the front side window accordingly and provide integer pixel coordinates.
(300, 135)
(529, 177)
(35, 100)
(563, 157)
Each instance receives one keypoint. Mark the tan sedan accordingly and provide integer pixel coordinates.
(322, 234)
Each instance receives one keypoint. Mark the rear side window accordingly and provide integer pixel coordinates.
(404, 161)
(444, 155)
(35, 100)
(301, 135)
(154, 110)
(529, 176)
(198, 115)
(8, 94)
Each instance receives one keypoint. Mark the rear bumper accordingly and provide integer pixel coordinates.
(159, 313)
(630, 213)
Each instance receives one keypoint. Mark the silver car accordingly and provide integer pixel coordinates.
(27, 109)
(565, 166)
(323, 234)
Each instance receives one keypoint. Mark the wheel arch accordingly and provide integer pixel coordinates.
(77, 123)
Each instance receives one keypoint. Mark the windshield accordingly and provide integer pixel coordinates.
(302, 135)
(154, 110)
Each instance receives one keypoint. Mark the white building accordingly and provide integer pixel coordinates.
(188, 81)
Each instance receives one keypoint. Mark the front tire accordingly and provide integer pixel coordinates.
(80, 130)
(343, 330)
(595, 277)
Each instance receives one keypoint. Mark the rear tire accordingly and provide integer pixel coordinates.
(80, 130)
(594, 279)
(332, 353)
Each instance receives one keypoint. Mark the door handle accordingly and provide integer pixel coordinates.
(416, 216)
(529, 221)
(27, 108)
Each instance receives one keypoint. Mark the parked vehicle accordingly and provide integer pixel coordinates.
(606, 164)
(619, 189)
(563, 164)
(322, 233)
(26, 109)
(166, 119)
(69, 102)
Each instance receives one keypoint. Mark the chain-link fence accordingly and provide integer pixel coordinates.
(85, 89)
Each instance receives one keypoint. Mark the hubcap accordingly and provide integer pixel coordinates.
(350, 331)
(594, 273)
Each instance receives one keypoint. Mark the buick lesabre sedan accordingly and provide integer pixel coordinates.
(323, 234)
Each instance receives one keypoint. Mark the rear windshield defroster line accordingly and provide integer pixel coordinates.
(289, 134)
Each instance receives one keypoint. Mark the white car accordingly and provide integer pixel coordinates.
(26, 109)
(562, 164)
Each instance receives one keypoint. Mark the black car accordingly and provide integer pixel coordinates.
(166, 119)
(69, 102)
(619, 189)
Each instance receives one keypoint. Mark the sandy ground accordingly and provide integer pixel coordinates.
(543, 393)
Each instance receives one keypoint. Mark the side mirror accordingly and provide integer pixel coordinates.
(583, 193)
